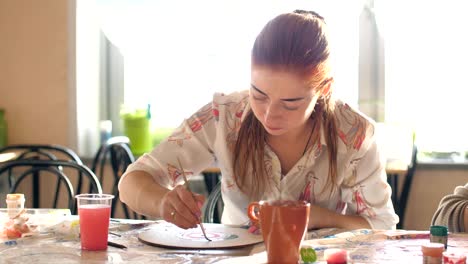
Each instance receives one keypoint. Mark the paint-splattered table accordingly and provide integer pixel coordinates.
(369, 246)
(63, 246)
(364, 246)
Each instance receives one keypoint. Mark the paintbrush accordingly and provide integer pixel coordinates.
(117, 245)
(186, 184)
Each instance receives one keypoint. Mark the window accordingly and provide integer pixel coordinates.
(426, 73)
(177, 54)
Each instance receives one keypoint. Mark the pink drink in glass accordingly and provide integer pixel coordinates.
(94, 226)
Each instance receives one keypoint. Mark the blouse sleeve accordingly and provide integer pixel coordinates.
(367, 192)
(192, 143)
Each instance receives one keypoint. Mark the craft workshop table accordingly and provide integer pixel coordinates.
(363, 246)
(64, 247)
(369, 246)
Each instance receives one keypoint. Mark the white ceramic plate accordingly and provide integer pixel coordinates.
(169, 235)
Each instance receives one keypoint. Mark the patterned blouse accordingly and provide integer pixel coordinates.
(203, 140)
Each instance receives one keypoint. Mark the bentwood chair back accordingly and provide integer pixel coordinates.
(109, 164)
(214, 205)
(43, 152)
(49, 172)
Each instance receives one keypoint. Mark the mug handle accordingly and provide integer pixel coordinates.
(252, 213)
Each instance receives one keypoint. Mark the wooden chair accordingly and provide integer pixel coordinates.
(46, 171)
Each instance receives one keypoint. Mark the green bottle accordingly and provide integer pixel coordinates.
(3, 129)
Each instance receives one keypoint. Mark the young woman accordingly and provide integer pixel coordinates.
(285, 138)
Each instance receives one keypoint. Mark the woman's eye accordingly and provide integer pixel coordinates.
(290, 108)
(263, 98)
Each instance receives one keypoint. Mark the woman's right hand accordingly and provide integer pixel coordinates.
(182, 208)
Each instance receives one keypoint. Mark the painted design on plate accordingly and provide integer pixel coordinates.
(197, 235)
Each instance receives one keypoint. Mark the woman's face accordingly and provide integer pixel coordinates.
(281, 101)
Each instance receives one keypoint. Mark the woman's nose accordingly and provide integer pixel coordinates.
(272, 112)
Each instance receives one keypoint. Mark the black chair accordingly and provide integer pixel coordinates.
(214, 205)
(211, 176)
(116, 152)
(403, 199)
(400, 199)
(61, 170)
(43, 152)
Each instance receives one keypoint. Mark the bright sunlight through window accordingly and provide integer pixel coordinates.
(179, 53)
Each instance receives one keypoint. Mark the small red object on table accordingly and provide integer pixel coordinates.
(336, 256)
(454, 258)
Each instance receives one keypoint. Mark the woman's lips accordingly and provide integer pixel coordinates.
(272, 128)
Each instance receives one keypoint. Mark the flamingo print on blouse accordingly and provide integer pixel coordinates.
(216, 111)
(340, 206)
(309, 191)
(200, 118)
(175, 173)
(233, 122)
(362, 206)
(356, 133)
(179, 136)
(361, 203)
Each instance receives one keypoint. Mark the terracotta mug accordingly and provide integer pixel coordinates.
(283, 225)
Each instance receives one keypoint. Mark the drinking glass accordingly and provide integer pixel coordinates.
(94, 213)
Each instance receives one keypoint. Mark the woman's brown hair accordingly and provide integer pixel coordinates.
(295, 42)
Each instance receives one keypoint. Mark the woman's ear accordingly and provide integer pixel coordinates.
(326, 89)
